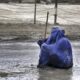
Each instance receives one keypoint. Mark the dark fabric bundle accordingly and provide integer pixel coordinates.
(56, 50)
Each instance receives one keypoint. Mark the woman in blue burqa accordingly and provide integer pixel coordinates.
(56, 50)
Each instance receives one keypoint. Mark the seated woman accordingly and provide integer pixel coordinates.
(56, 51)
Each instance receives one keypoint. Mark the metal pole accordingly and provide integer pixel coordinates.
(46, 24)
(55, 15)
(35, 13)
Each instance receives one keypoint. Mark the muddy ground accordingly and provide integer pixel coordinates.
(18, 61)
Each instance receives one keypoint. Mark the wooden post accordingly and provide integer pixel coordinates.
(55, 15)
(35, 13)
(20, 1)
(46, 25)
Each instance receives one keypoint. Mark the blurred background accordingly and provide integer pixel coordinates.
(28, 19)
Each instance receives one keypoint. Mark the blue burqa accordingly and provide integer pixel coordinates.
(56, 50)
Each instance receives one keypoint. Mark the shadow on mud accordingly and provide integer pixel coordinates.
(56, 74)
(3, 74)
